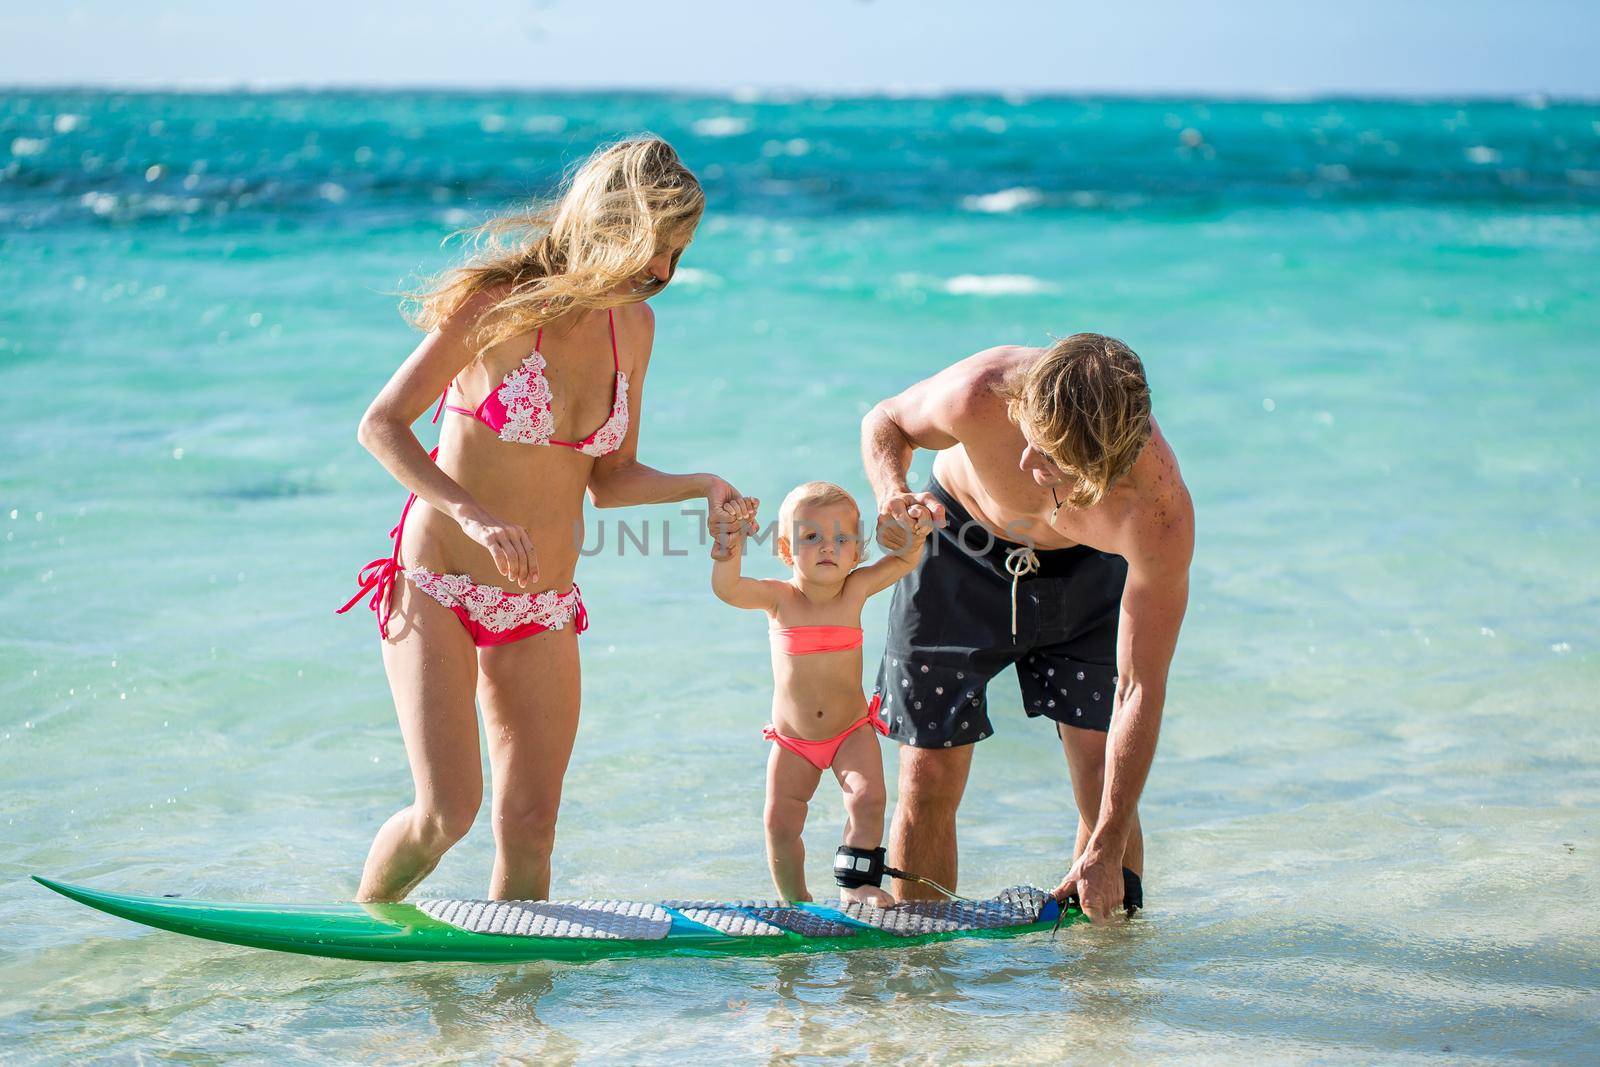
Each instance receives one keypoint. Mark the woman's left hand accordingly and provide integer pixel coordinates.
(719, 493)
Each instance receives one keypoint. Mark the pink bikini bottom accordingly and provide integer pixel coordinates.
(493, 616)
(821, 754)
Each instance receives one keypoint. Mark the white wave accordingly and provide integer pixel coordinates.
(28, 146)
(721, 126)
(996, 285)
(163, 204)
(99, 203)
(1004, 201)
(795, 146)
(694, 277)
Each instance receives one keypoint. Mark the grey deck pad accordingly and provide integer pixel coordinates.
(631, 920)
(1013, 907)
(602, 919)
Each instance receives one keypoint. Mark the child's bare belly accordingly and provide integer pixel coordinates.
(814, 701)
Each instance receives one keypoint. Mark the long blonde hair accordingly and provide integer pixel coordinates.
(1086, 404)
(619, 210)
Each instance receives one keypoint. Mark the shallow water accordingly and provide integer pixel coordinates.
(1370, 327)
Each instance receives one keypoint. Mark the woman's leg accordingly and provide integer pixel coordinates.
(529, 692)
(791, 781)
(859, 768)
(432, 668)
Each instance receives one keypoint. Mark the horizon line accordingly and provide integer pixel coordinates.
(759, 94)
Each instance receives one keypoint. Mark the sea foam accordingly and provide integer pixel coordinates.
(996, 285)
(1006, 200)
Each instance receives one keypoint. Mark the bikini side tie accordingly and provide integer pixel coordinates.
(379, 576)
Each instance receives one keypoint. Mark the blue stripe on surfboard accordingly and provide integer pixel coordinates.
(683, 925)
(822, 911)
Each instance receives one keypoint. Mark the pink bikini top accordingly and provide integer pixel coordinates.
(519, 410)
(805, 640)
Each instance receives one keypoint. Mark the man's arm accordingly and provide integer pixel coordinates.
(1153, 604)
(927, 415)
(894, 429)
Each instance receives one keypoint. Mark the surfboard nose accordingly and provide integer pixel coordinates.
(112, 903)
(64, 888)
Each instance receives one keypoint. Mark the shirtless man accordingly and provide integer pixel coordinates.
(1064, 545)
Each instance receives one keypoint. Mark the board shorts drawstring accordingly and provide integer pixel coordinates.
(1019, 561)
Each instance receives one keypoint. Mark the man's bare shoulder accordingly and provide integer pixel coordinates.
(975, 385)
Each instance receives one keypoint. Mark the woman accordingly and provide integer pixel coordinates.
(539, 347)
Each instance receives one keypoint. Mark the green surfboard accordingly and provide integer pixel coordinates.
(513, 931)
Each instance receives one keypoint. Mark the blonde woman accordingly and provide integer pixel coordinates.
(539, 347)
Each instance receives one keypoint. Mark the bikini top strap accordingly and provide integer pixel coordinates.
(538, 339)
(616, 360)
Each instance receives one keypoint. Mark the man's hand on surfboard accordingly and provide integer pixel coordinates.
(1096, 880)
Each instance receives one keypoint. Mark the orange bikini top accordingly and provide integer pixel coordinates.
(805, 640)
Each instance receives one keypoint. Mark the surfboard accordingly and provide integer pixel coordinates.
(514, 931)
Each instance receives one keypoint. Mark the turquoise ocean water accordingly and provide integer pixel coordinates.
(1373, 332)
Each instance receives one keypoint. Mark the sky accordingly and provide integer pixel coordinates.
(1157, 47)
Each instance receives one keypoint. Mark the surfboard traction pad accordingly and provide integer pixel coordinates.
(626, 920)
(610, 920)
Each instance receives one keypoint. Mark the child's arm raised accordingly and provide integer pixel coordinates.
(729, 525)
(879, 575)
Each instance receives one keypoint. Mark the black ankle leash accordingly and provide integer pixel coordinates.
(855, 867)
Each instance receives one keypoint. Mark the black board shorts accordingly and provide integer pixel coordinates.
(950, 632)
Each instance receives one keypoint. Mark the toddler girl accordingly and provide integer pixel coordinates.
(820, 717)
